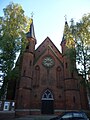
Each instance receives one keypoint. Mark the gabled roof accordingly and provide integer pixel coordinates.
(44, 46)
(48, 39)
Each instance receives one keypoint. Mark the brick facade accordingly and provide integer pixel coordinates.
(46, 84)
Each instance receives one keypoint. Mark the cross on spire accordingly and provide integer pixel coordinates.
(65, 17)
(32, 15)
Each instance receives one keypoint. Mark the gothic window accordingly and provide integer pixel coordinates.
(47, 95)
(24, 72)
(27, 47)
(66, 64)
(58, 76)
(37, 76)
(72, 74)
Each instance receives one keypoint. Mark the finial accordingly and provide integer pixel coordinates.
(72, 21)
(65, 18)
(32, 15)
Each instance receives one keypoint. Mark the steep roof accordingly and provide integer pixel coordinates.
(66, 29)
(45, 45)
(31, 33)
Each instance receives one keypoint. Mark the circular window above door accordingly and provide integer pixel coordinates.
(48, 62)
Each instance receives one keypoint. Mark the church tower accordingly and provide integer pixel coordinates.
(24, 88)
(72, 95)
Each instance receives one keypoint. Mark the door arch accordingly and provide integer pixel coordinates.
(47, 102)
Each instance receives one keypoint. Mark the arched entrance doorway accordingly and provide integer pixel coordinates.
(47, 103)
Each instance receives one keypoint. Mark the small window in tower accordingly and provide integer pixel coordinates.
(27, 47)
(72, 74)
(66, 65)
(24, 72)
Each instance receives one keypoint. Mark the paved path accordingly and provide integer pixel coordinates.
(10, 115)
(34, 118)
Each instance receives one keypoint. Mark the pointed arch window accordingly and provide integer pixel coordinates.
(58, 75)
(24, 72)
(27, 47)
(47, 95)
(66, 65)
(37, 76)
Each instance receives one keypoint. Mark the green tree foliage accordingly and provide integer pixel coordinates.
(81, 37)
(70, 43)
(13, 26)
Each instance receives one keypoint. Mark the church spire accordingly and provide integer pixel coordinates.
(64, 38)
(66, 29)
(67, 40)
(31, 33)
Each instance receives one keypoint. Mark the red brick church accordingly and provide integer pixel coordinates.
(46, 84)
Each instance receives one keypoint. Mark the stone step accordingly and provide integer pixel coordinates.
(36, 117)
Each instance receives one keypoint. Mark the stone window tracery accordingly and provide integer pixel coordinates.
(47, 95)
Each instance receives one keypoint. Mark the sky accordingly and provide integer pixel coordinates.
(49, 16)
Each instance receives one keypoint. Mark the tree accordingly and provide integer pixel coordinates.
(81, 37)
(70, 44)
(13, 26)
(78, 44)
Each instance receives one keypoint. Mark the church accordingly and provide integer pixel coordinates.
(46, 85)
